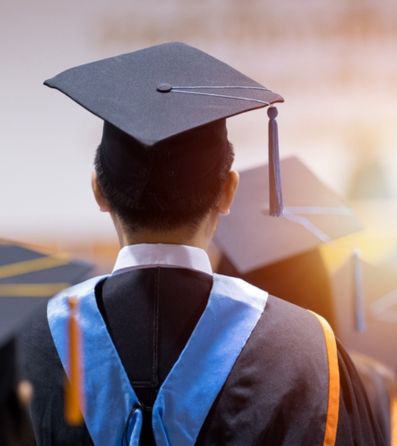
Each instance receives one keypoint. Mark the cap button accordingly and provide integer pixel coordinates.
(163, 87)
(272, 112)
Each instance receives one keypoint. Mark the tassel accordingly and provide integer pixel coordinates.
(276, 207)
(73, 391)
(359, 303)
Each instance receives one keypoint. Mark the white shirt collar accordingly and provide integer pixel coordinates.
(146, 255)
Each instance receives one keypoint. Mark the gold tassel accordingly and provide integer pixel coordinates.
(73, 390)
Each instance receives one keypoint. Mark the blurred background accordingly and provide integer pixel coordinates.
(334, 63)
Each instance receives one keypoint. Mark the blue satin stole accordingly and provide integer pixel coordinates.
(112, 412)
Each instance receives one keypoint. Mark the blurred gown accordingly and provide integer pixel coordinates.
(301, 279)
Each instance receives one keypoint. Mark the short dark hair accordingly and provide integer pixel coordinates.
(168, 208)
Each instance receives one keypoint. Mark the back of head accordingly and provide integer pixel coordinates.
(175, 183)
(164, 150)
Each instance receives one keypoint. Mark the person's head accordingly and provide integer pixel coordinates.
(163, 166)
(173, 191)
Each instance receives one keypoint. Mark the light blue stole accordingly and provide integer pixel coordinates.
(112, 411)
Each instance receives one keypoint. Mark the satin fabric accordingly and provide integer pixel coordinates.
(112, 414)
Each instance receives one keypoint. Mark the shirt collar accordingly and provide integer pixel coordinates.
(146, 255)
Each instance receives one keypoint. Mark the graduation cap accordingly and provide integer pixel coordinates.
(367, 321)
(312, 214)
(280, 254)
(168, 101)
(28, 278)
(363, 278)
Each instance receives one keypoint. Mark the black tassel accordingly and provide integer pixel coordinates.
(276, 207)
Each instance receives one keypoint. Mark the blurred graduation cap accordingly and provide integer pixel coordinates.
(312, 214)
(280, 254)
(366, 307)
(169, 100)
(364, 282)
(28, 278)
(363, 278)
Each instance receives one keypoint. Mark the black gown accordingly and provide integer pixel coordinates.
(270, 397)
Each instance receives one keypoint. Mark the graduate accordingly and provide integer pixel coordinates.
(28, 278)
(171, 353)
(281, 255)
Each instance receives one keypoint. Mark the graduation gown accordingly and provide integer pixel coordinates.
(273, 395)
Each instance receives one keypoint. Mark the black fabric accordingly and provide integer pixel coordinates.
(8, 376)
(300, 279)
(145, 306)
(163, 324)
(174, 161)
(124, 91)
(352, 429)
(15, 426)
(380, 385)
(40, 364)
(270, 397)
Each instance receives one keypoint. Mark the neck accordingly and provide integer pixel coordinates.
(169, 237)
(199, 237)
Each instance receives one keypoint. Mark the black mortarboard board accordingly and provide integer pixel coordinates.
(162, 91)
(28, 278)
(150, 99)
(312, 214)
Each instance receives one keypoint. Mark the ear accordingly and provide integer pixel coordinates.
(99, 197)
(228, 192)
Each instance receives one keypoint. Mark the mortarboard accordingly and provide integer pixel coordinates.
(280, 254)
(312, 215)
(162, 91)
(369, 326)
(170, 99)
(28, 278)
(364, 283)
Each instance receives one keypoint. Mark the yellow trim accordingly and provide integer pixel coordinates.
(331, 425)
(29, 266)
(31, 289)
